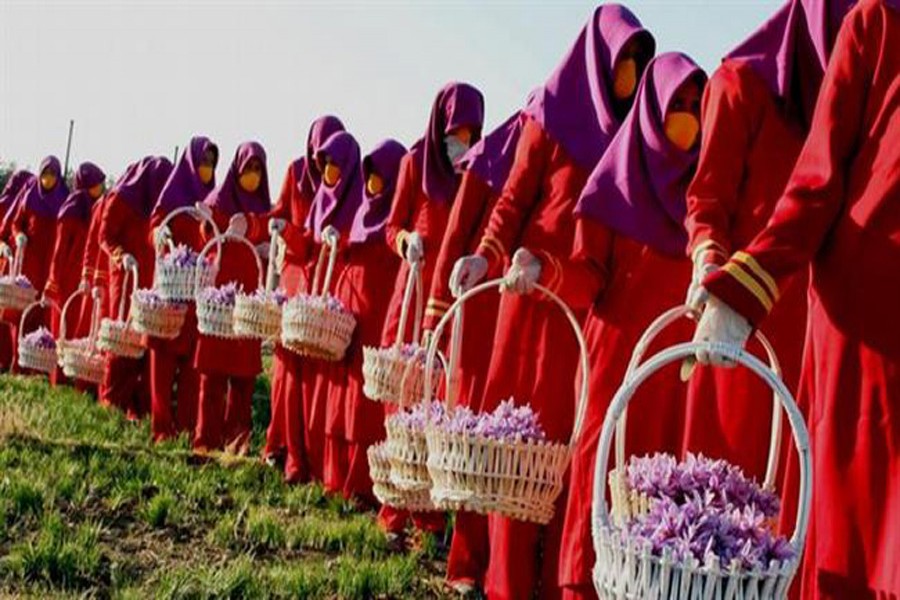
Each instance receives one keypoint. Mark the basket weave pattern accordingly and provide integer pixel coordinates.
(80, 360)
(118, 338)
(177, 283)
(309, 328)
(256, 319)
(407, 452)
(157, 320)
(520, 480)
(384, 370)
(14, 297)
(384, 489)
(37, 358)
(215, 319)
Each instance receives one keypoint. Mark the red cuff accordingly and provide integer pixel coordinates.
(731, 287)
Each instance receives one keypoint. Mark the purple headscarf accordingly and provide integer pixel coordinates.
(184, 187)
(370, 219)
(456, 105)
(78, 204)
(229, 197)
(140, 185)
(638, 188)
(320, 130)
(336, 206)
(46, 204)
(771, 51)
(14, 185)
(575, 106)
(492, 157)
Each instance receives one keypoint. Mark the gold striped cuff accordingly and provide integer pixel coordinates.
(748, 261)
(735, 270)
(400, 242)
(709, 245)
(493, 245)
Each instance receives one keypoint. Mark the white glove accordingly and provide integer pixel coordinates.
(204, 210)
(415, 248)
(161, 235)
(237, 225)
(523, 273)
(721, 324)
(21, 240)
(129, 262)
(276, 225)
(330, 235)
(5, 250)
(697, 296)
(84, 285)
(467, 272)
(262, 250)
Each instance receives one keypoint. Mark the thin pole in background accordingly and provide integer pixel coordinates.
(69, 146)
(175, 155)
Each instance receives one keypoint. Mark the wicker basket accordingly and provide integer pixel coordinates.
(407, 453)
(80, 358)
(12, 295)
(160, 320)
(31, 356)
(182, 283)
(116, 335)
(520, 480)
(627, 569)
(256, 318)
(309, 326)
(384, 489)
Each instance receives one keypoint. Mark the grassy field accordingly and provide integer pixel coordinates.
(88, 508)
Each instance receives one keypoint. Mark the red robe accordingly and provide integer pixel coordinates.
(626, 285)
(227, 367)
(125, 231)
(94, 265)
(535, 356)
(748, 150)
(71, 234)
(469, 216)
(841, 210)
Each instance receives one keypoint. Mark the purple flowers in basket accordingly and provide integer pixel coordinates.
(278, 296)
(41, 338)
(18, 281)
(182, 257)
(706, 509)
(223, 295)
(328, 302)
(420, 416)
(507, 423)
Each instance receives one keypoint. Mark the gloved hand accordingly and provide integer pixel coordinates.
(467, 272)
(161, 235)
(21, 240)
(237, 225)
(697, 296)
(523, 273)
(84, 285)
(330, 235)
(5, 250)
(723, 325)
(204, 210)
(415, 248)
(276, 225)
(262, 250)
(129, 262)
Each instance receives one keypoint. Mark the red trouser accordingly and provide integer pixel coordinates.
(335, 465)
(275, 441)
(122, 386)
(296, 439)
(393, 520)
(469, 549)
(170, 371)
(358, 483)
(225, 413)
(7, 345)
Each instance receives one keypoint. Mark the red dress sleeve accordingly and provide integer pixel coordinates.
(114, 227)
(286, 206)
(92, 245)
(404, 205)
(750, 281)
(69, 232)
(729, 120)
(520, 193)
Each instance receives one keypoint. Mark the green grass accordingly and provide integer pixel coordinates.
(89, 508)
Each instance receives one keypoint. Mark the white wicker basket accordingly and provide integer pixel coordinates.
(257, 318)
(385, 490)
(309, 326)
(624, 568)
(176, 283)
(80, 358)
(32, 356)
(160, 320)
(13, 296)
(116, 334)
(407, 453)
(521, 480)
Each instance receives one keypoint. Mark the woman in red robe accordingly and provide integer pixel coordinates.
(354, 422)
(486, 166)
(627, 267)
(228, 367)
(428, 181)
(287, 437)
(756, 114)
(71, 233)
(124, 238)
(569, 125)
(172, 371)
(841, 212)
(8, 202)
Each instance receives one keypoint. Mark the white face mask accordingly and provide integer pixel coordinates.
(455, 149)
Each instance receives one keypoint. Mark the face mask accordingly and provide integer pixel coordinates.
(625, 78)
(331, 175)
(96, 191)
(682, 129)
(205, 173)
(250, 181)
(48, 181)
(374, 185)
(455, 148)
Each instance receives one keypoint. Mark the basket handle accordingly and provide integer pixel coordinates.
(600, 510)
(65, 309)
(217, 241)
(124, 312)
(649, 336)
(403, 402)
(41, 302)
(413, 282)
(274, 240)
(583, 387)
(19, 256)
(329, 247)
(181, 210)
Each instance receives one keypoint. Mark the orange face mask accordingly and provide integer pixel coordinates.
(625, 78)
(374, 185)
(48, 181)
(250, 181)
(205, 173)
(682, 129)
(96, 191)
(331, 174)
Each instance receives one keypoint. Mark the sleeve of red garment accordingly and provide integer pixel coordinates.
(728, 123)
(579, 279)
(814, 196)
(403, 206)
(521, 191)
(258, 225)
(114, 226)
(91, 246)
(469, 205)
(66, 233)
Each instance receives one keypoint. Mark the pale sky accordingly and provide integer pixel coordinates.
(141, 77)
